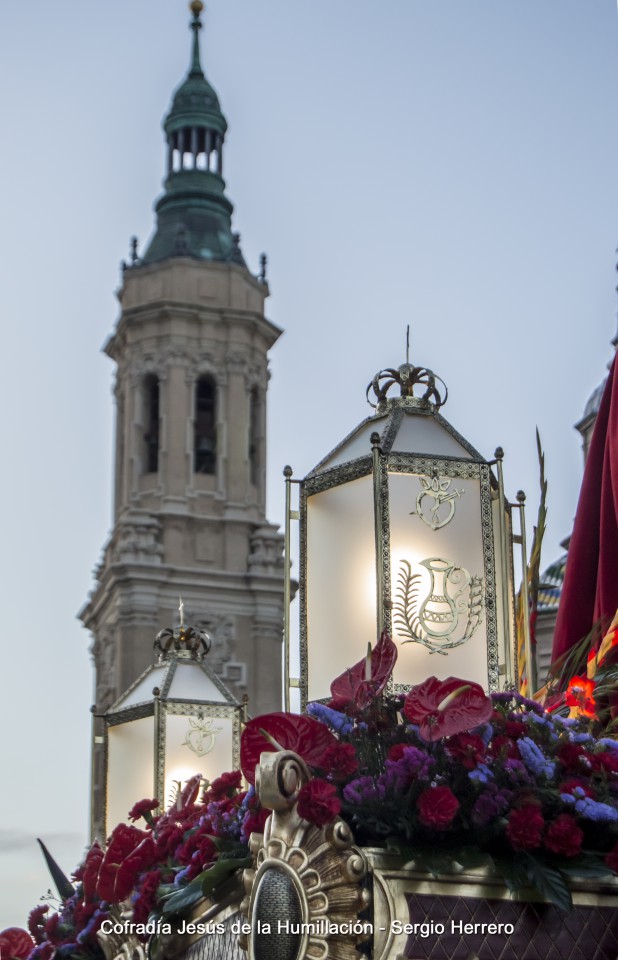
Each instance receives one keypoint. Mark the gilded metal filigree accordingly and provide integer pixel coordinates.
(307, 889)
(407, 377)
(434, 620)
(435, 503)
(200, 738)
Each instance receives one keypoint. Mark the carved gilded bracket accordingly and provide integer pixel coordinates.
(307, 890)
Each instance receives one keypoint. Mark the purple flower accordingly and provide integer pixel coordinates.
(485, 732)
(364, 789)
(332, 718)
(516, 772)
(591, 809)
(608, 744)
(534, 759)
(85, 933)
(481, 774)
(490, 804)
(413, 765)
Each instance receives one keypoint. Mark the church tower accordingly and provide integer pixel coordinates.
(190, 347)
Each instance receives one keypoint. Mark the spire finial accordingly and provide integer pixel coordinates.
(196, 7)
(408, 344)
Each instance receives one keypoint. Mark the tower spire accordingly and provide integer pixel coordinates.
(196, 7)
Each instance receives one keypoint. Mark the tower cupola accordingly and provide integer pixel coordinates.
(193, 214)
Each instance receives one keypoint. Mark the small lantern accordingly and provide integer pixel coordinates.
(176, 720)
(404, 527)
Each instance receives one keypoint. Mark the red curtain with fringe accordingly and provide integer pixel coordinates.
(590, 589)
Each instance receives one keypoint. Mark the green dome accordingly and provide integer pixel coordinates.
(193, 213)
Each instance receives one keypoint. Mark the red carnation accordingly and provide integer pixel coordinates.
(525, 827)
(437, 807)
(515, 729)
(90, 872)
(574, 783)
(563, 836)
(340, 761)
(605, 762)
(396, 751)
(147, 898)
(143, 808)
(36, 922)
(504, 748)
(573, 757)
(318, 802)
(224, 785)
(612, 859)
(468, 748)
(15, 942)
(255, 822)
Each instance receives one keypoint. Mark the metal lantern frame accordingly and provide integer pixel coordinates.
(161, 706)
(383, 459)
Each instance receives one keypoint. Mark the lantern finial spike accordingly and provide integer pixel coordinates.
(181, 611)
(408, 344)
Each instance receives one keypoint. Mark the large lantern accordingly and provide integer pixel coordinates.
(404, 527)
(176, 720)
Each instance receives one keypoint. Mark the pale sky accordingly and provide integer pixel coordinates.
(450, 164)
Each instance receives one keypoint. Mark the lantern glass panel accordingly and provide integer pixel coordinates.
(130, 767)
(422, 434)
(142, 691)
(196, 744)
(357, 444)
(437, 578)
(190, 682)
(340, 581)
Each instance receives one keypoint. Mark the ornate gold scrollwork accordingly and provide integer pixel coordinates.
(307, 889)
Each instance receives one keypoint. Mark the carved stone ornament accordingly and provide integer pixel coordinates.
(307, 890)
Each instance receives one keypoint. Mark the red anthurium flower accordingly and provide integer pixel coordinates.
(580, 697)
(442, 708)
(130, 851)
(15, 943)
(307, 737)
(90, 873)
(356, 687)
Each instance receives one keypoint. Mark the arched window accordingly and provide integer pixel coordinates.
(151, 423)
(205, 447)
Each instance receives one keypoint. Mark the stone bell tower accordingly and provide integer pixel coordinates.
(190, 348)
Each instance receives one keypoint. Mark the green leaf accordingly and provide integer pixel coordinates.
(549, 882)
(224, 845)
(586, 865)
(471, 857)
(185, 897)
(220, 871)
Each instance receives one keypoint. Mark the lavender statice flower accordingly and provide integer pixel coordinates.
(516, 772)
(536, 762)
(94, 919)
(413, 765)
(332, 718)
(489, 804)
(364, 789)
(608, 744)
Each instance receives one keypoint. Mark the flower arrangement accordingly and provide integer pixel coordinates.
(444, 774)
(448, 775)
(180, 856)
